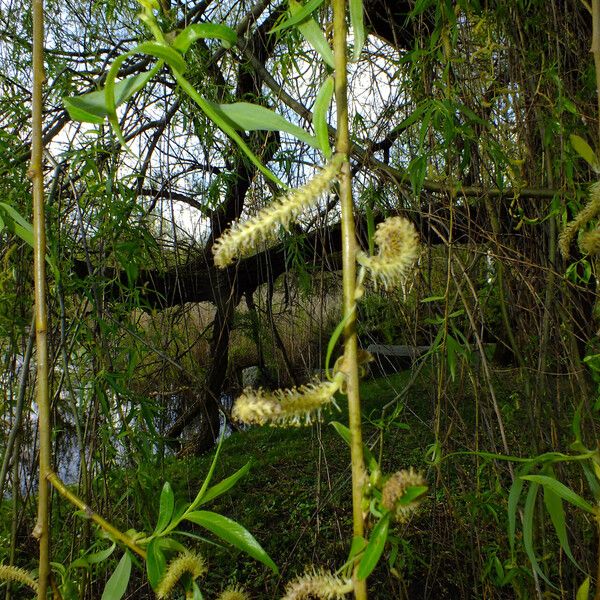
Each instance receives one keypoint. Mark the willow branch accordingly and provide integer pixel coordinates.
(41, 530)
(349, 246)
(115, 533)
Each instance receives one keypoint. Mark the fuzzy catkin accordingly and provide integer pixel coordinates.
(233, 593)
(590, 242)
(318, 584)
(242, 237)
(18, 575)
(186, 562)
(395, 488)
(584, 216)
(398, 244)
(289, 407)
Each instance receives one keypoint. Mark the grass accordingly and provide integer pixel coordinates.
(296, 501)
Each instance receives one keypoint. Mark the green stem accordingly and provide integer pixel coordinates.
(349, 279)
(41, 530)
(115, 533)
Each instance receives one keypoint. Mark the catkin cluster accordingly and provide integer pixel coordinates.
(10, 573)
(318, 584)
(242, 238)
(186, 562)
(398, 244)
(590, 211)
(395, 489)
(288, 407)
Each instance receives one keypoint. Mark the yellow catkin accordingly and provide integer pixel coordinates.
(584, 216)
(395, 488)
(289, 407)
(10, 573)
(590, 242)
(398, 244)
(233, 593)
(242, 238)
(186, 562)
(318, 584)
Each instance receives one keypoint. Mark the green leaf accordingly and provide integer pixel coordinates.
(528, 530)
(299, 15)
(116, 586)
(225, 485)
(513, 501)
(156, 563)
(16, 224)
(333, 341)
(320, 111)
(197, 592)
(312, 33)
(198, 31)
(166, 505)
(358, 27)
(358, 545)
(412, 493)
(93, 558)
(91, 108)
(585, 151)
(346, 435)
(245, 116)
(555, 509)
(375, 547)
(232, 532)
(583, 593)
(562, 490)
(162, 52)
(200, 495)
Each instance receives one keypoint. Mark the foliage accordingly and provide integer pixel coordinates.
(474, 121)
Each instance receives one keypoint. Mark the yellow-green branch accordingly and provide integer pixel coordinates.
(349, 277)
(115, 533)
(41, 530)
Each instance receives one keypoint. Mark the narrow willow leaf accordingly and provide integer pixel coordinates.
(528, 513)
(16, 224)
(375, 547)
(198, 499)
(513, 501)
(312, 33)
(156, 563)
(358, 545)
(93, 558)
(345, 434)
(197, 592)
(166, 505)
(592, 480)
(320, 112)
(583, 593)
(358, 27)
(585, 151)
(225, 485)
(554, 506)
(162, 52)
(333, 341)
(563, 491)
(198, 31)
(411, 494)
(245, 116)
(91, 108)
(232, 532)
(116, 586)
(299, 15)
